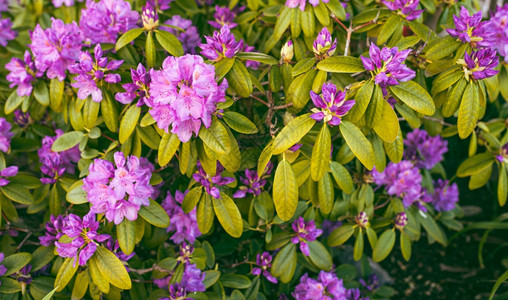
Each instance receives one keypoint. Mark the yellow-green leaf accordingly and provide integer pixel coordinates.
(292, 133)
(415, 96)
(321, 151)
(112, 268)
(358, 143)
(216, 137)
(228, 215)
(167, 148)
(66, 272)
(128, 123)
(126, 233)
(285, 196)
(469, 111)
(154, 214)
(341, 64)
(239, 122)
(388, 128)
(67, 141)
(384, 245)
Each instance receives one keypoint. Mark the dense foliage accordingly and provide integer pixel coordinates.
(238, 150)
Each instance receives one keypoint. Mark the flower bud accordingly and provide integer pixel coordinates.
(362, 219)
(149, 17)
(286, 53)
(400, 221)
(323, 45)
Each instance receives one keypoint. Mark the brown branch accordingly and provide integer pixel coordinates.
(349, 30)
(260, 100)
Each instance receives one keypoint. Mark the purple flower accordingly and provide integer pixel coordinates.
(188, 35)
(503, 154)
(445, 195)
(224, 16)
(119, 192)
(68, 3)
(5, 135)
(90, 73)
(400, 221)
(222, 44)
(23, 275)
(480, 64)
(264, 261)
(164, 4)
(387, 66)
(323, 46)
(149, 16)
(22, 74)
(286, 53)
(211, 183)
(103, 21)
(4, 6)
(253, 184)
(56, 48)
(3, 269)
(406, 8)
(328, 226)
(138, 88)
(22, 119)
(6, 32)
(53, 230)
(7, 172)
(184, 226)
(426, 151)
(54, 164)
(83, 233)
(499, 22)
(302, 3)
(401, 179)
(331, 106)
(326, 286)
(305, 232)
(470, 29)
(372, 282)
(184, 95)
(192, 279)
(254, 65)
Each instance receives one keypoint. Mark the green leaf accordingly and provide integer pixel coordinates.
(128, 37)
(454, 96)
(362, 100)
(341, 64)
(80, 285)
(434, 231)
(15, 262)
(405, 245)
(235, 281)
(388, 128)
(205, 214)
(149, 136)
(10, 286)
(67, 140)
(337, 9)
(223, 66)
(233, 160)
(320, 160)
(211, 277)
(239, 122)
(283, 21)
(112, 268)
(216, 137)
(299, 90)
(285, 196)
(56, 92)
(65, 273)
(169, 42)
(17, 193)
(358, 143)
(239, 79)
(228, 215)
(502, 186)
(97, 277)
(292, 133)
(49, 296)
(395, 150)
(320, 256)
(41, 92)
(498, 283)
(374, 112)
(167, 148)
(284, 261)
(150, 50)
(42, 256)
(388, 28)
(303, 66)
(446, 80)
(76, 194)
(475, 164)
(126, 233)
(256, 56)
(128, 123)
(264, 158)
(326, 194)
(445, 46)
(359, 244)
(469, 111)
(154, 214)
(308, 21)
(415, 96)
(342, 177)
(384, 245)
(90, 113)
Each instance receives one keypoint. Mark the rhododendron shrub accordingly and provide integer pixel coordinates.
(241, 149)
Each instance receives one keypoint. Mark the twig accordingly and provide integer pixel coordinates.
(442, 122)
(259, 100)
(349, 30)
(154, 267)
(282, 106)
(24, 240)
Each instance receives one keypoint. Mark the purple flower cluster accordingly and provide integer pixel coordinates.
(305, 232)
(53, 230)
(225, 16)
(445, 195)
(184, 95)
(426, 151)
(405, 8)
(188, 36)
(22, 74)
(103, 21)
(68, 3)
(3, 268)
(403, 180)
(387, 65)
(499, 22)
(372, 282)
(138, 88)
(119, 192)
(211, 183)
(7, 172)
(253, 183)
(264, 261)
(326, 287)
(222, 44)
(470, 29)
(192, 281)
(6, 32)
(184, 226)
(323, 45)
(54, 164)
(4, 6)
(5, 135)
(90, 73)
(331, 106)
(480, 64)
(303, 3)
(56, 48)
(83, 233)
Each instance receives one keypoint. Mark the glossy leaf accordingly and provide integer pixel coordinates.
(292, 133)
(384, 245)
(154, 214)
(358, 143)
(285, 196)
(228, 215)
(415, 96)
(321, 152)
(216, 137)
(341, 64)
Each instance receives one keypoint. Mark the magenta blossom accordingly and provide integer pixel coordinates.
(499, 22)
(303, 3)
(253, 184)
(103, 21)
(184, 226)
(83, 233)
(54, 164)
(5, 135)
(331, 106)
(138, 88)
(305, 232)
(387, 66)
(211, 183)
(7, 172)
(6, 32)
(326, 287)
(188, 35)
(184, 95)
(92, 73)
(119, 192)
(426, 151)
(264, 261)
(445, 195)
(68, 3)
(222, 44)
(22, 74)
(323, 45)
(53, 230)
(470, 29)
(22, 119)
(406, 8)
(480, 64)
(56, 48)
(224, 16)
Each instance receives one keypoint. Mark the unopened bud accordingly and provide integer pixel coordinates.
(286, 53)
(362, 219)
(149, 17)
(400, 220)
